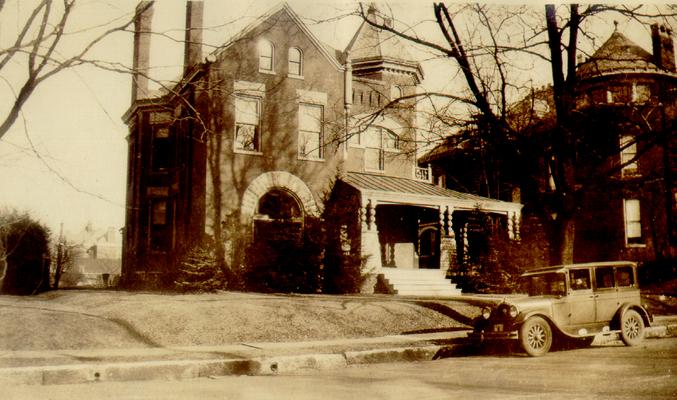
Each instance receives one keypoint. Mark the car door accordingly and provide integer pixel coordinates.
(581, 298)
(626, 284)
(606, 295)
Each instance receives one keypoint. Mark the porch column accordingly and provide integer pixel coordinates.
(514, 225)
(447, 239)
(371, 248)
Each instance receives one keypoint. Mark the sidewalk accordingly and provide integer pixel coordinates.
(169, 363)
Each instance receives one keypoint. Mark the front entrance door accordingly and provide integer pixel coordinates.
(428, 245)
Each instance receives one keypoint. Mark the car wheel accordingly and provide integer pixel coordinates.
(632, 328)
(535, 336)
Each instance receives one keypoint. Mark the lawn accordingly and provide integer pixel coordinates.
(70, 319)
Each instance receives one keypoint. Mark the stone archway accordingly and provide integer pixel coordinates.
(281, 180)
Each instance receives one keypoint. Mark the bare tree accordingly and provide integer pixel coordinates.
(482, 56)
(64, 259)
(40, 49)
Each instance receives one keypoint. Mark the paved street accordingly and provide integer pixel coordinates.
(614, 372)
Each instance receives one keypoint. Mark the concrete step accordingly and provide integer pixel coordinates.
(418, 282)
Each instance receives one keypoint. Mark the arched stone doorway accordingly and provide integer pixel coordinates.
(279, 217)
(280, 180)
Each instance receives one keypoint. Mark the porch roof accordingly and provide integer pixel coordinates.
(396, 190)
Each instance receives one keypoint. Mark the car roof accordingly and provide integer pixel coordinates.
(562, 268)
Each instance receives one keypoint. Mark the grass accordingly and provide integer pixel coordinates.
(70, 319)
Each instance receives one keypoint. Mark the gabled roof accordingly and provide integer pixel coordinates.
(332, 55)
(617, 54)
(398, 190)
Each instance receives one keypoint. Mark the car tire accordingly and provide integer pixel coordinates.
(535, 336)
(632, 328)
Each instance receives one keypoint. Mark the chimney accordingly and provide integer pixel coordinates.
(141, 61)
(193, 42)
(663, 47)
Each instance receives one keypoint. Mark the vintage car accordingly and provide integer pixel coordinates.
(571, 302)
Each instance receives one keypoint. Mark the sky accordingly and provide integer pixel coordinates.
(65, 159)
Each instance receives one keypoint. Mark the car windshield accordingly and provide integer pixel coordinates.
(550, 284)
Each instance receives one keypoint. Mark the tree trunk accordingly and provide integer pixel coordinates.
(59, 266)
(562, 240)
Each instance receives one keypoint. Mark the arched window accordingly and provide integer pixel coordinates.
(395, 92)
(279, 205)
(295, 62)
(266, 55)
(279, 219)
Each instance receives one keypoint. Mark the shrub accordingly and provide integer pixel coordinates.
(343, 272)
(291, 262)
(24, 253)
(200, 271)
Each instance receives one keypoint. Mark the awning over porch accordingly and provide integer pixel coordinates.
(382, 189)
(377, 195)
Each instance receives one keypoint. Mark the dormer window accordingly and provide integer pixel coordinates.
(266, 56)
(295, 62)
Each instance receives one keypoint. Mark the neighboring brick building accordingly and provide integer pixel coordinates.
(629, 97)
(626, 154)
(255, 137)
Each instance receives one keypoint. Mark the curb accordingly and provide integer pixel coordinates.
(270, 365)
(190, 369)
(662, 331)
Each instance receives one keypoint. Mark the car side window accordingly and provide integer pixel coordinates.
(625, 277)
(579, 279)
(604, 277)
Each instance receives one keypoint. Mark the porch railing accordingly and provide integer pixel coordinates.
(423, 174)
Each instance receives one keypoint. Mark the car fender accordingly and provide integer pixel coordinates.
(646, 316)
(523, 317)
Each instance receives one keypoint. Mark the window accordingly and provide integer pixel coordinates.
(247, 120)
(395, 92)
(279, 218)
(579, 279)
(625, 277)
(355, 139)
(162, 156)
(295, 62)
(160, 227)
(628, 153)
(310, 131)
(159, 216)
(633, 222)
(641, 93)
(279, 205)
(604, 277)
(377, 142)
(266, 56)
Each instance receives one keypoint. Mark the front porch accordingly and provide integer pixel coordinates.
(415, 226)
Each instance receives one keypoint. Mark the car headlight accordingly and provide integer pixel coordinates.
(486, 312)
(513, 311)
